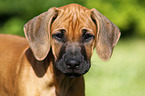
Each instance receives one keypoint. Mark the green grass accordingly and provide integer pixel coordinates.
(122, 75)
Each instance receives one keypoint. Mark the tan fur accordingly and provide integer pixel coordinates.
(27, 69)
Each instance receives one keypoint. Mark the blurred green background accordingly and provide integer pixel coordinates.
(124, 73)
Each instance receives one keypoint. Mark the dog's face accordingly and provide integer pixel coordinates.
(73, 41)
(72, 32)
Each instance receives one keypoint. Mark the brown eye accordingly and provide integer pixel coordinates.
(59, 36)
(87, 36)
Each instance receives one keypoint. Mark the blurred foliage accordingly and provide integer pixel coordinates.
(15, 13)
(128, 15)
(122, 75)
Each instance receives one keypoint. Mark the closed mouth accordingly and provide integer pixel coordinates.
(72, 75)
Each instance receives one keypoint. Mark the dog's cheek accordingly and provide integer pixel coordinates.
(89, 51)
(56, 49)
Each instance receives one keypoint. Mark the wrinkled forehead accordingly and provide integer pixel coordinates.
(73, 17)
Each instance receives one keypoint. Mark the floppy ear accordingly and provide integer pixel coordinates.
(107, 35)
(37, 32)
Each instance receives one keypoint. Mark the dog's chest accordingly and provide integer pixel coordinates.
(49, 90)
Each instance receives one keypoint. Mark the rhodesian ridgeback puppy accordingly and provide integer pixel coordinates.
(56, 53)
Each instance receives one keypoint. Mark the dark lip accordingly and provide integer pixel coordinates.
(72, 75)
(69, 73)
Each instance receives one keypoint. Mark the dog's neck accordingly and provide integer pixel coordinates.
(60, 81)
(63, 84)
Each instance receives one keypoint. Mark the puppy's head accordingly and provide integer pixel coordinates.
(72, 32)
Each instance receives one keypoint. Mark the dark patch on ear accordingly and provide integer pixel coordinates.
(93, 20)
(55, 16)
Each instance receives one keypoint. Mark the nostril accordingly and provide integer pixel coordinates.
(72, 63)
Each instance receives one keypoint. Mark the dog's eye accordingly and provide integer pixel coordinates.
(60, 35)
(87, 36)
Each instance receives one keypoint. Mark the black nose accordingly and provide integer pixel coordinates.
(72, 63)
